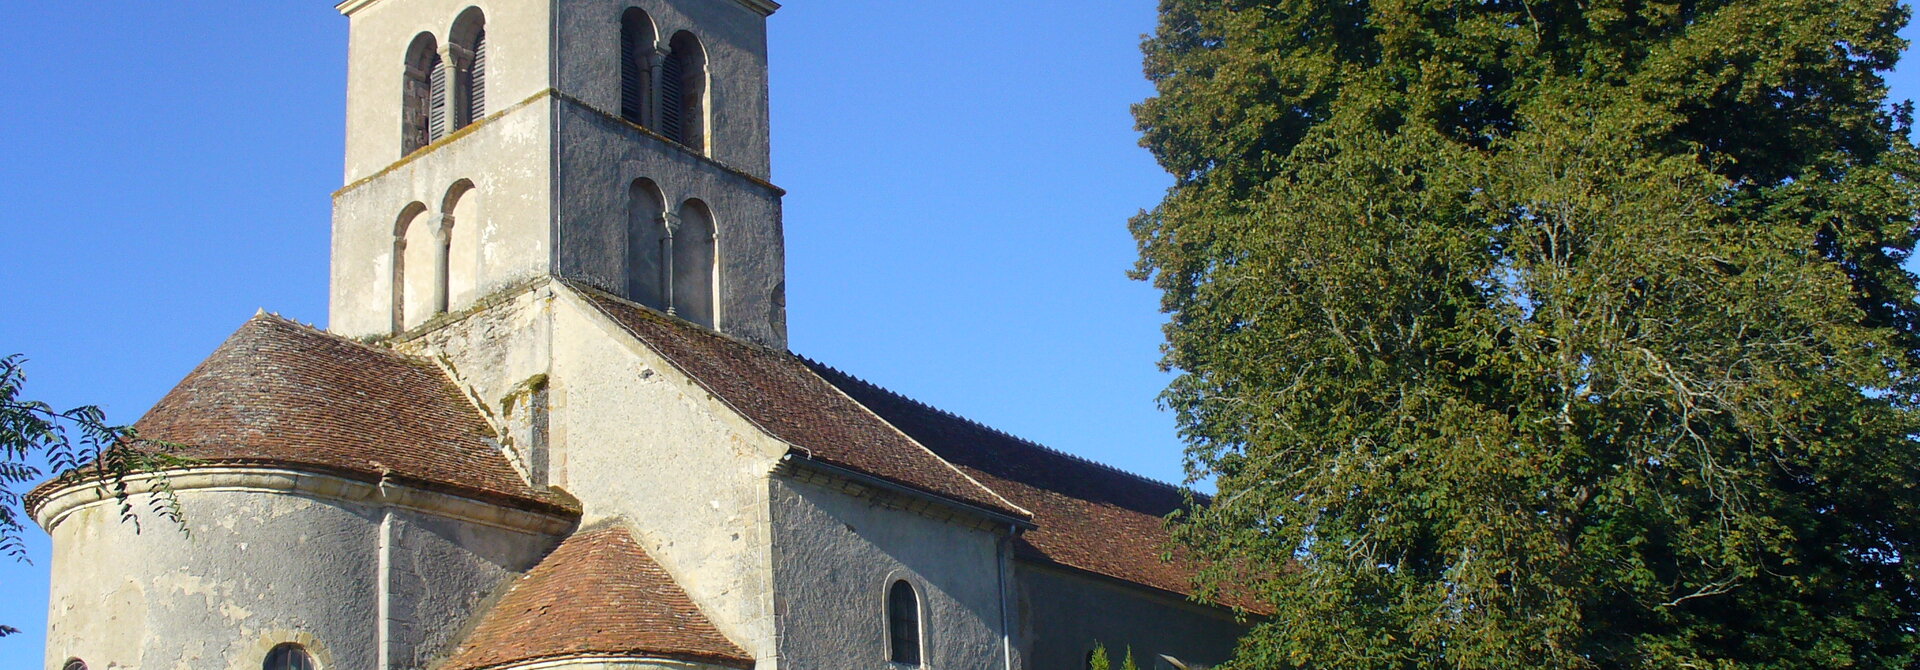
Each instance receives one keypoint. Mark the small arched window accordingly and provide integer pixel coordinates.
(74, 664)
(903, 625)
(419, 267)
(289, 657)
(637, 43)
(423, 106)
(647, 251)
(469, 41)
(693, 254)
(683, 92)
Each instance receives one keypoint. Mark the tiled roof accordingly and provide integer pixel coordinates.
(777, 391)
(598, 594)
(1088, 516)
(280, 393)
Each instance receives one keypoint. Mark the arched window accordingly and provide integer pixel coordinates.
(424, 101)
(693, 264)
(637, 43)
(647, 245)
(420, 268)
(461, 219)
(74, 664)
(683, 92)
(903, 624)
(469, 41)
(289, 656)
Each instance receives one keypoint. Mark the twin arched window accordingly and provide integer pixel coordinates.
(436, 257)
(445, 89)
(671, 255)
(663, 89)
(903, 625)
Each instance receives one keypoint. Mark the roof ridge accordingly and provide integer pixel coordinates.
(677, 320)
(990, 429)
(276, 318)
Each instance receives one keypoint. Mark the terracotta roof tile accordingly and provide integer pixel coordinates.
(598, 594)
(1088, 516)
(777, 391)
(280, 393)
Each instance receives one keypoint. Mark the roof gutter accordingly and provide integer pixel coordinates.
(809, 462)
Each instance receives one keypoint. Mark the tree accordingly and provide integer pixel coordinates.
(1099, 660)
(1520, 334)
(78, 444)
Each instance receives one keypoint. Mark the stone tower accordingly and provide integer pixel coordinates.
(617, 144)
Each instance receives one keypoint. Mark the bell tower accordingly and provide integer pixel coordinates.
(619, 143)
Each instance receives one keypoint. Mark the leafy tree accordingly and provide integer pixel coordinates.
(77, 444)
(1544, 334)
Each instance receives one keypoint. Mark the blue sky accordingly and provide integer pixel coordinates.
(960, 176)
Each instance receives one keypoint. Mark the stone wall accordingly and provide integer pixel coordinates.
(273, 556)
(1064, 613)
(835, 556)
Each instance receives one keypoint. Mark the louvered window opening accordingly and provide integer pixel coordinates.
(74, 664)
(477, 80)
(436, 100)
(633, 79)
(415, 107)
(903, 624)
(673, 98)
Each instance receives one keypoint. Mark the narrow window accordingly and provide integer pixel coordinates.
(74, 664)
(461, 220)
(467, 101)
(636, 65)
(436, 100)
(647, 245)
(416, 107)
(420, 267)
(477, 79)
(683, 93)
(693, 264)
(903, 624)
(289, 657)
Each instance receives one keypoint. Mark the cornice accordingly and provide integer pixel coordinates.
(764, 7)
(348, 7)
(62, 502)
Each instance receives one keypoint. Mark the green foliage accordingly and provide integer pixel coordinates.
(77, 445)
(1100, 660)
(1569, 335)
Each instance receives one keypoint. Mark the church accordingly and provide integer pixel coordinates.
(554, 422)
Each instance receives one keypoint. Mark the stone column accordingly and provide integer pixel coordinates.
(458, 60)
(669, 222)
(655, 67)
(442, 263)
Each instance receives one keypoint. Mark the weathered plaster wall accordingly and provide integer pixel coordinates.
(633, 438)
(835, 555)
(518, 55)
(600, 156)
(500, 354)
(506, 160)
(256, 568)
(1064, 613)
(735, 39)
(439, 572)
